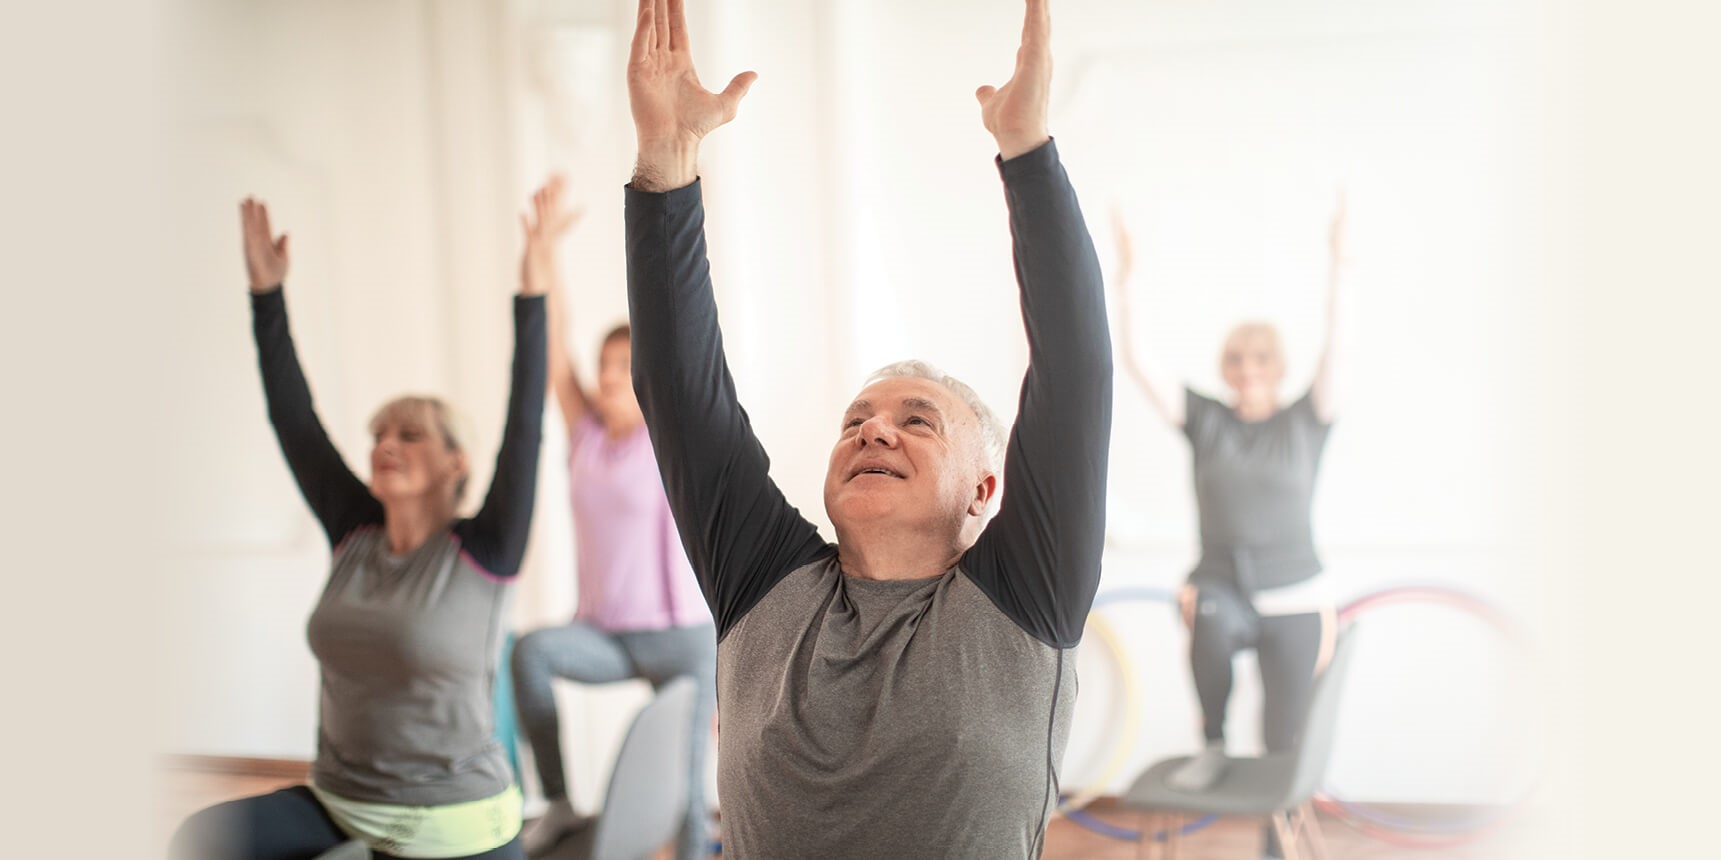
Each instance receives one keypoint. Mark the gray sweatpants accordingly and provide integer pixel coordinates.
(581, 652)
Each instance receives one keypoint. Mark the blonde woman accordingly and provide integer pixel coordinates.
(408, 630)
(1259, 583)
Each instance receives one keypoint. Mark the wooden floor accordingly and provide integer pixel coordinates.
(185, 791)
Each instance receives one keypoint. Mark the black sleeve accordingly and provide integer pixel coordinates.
(741, 535)
(496, 536)
(1200, 412)
(1304, 410)
(1039, 559)
(340, 501)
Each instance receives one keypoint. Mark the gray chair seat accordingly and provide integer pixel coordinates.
(1249, 786)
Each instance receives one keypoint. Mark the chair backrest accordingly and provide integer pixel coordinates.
(648, 788)
(1320, 729)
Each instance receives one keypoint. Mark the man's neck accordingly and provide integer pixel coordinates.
(896, 553)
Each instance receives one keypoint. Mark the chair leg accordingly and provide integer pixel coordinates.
(1174, 838)
(1312, 825)
(1144, 845)
(1287, 836)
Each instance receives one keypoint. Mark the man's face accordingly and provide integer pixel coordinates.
(909, 455)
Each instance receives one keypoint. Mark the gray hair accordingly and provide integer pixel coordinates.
(991, 429)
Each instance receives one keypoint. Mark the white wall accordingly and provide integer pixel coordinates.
(855, 218)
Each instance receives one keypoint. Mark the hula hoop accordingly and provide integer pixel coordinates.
(1398, 837)
(1125, 834)
(1131, 690)
(1071, 807)
(1399, 831)
(1126, 675)
(1452, 597)
(1431, 829)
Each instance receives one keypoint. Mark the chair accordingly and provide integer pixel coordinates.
(1278, 786)
(351, 849)
(648, 788)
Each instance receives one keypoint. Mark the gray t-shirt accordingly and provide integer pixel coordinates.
(863, 718)
(1254, 486)
(408, 645)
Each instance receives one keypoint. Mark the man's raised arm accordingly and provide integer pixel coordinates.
(740, 533)
(1039, 559)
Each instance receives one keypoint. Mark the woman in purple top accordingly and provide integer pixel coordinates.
(641, 614)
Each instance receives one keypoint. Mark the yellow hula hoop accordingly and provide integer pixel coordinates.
(1131, 715)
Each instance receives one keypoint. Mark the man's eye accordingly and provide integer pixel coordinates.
(916, 419)
(852, 422)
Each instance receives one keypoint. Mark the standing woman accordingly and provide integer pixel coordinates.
(1259, 583)
(408, 630)
(641, 614)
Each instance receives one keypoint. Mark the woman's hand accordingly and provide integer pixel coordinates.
(1337, 245)
(544, 225)
(265, 254)
(1186, 600)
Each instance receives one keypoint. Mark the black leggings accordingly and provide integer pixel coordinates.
(1287, 648)
(287, 825)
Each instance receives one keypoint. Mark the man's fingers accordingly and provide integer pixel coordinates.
(660, 21)
(1037, 26)
(644, 31)
(678, 25)
(738, 87)
(984, 94)
(281, 248)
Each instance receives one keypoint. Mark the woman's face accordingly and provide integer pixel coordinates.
(616, 403)
(1252, 367)
(410, 460)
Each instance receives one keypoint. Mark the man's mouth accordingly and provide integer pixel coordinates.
(876, 470)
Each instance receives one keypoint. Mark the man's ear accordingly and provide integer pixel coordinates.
(983, 492)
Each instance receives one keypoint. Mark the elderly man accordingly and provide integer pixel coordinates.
(906, 691)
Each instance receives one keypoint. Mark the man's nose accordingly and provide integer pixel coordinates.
(877, 431)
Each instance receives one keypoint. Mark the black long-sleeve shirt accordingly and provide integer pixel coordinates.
(863, 718)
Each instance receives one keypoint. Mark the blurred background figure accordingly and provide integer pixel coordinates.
(1259, 583)
(641, 614)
